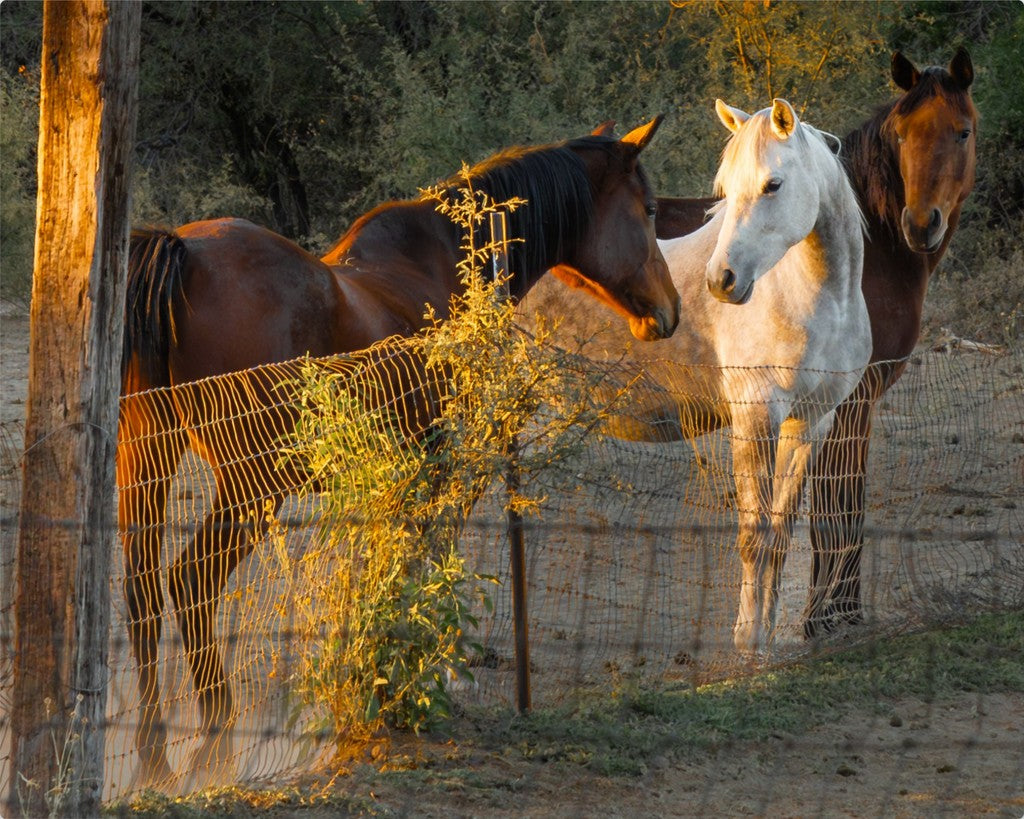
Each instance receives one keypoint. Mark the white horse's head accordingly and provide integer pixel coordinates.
(773, 176)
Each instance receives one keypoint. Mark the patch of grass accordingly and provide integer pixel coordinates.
(238, 802)
(247, 802)
(620, 735)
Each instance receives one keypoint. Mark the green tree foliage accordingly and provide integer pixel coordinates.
(304, 115)
(19, 104)
(813, 54)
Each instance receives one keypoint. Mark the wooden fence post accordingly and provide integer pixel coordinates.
(66, 525)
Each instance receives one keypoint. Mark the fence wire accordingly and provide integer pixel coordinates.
(631, 560)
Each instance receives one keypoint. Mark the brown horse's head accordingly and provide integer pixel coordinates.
(933, 125)
(617, 259)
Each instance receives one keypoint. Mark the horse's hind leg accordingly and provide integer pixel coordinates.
(197, 580)
(144, 471)
(837, 500)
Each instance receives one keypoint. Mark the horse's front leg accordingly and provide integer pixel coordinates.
(753, 444)
(799, 442)
(837, 497)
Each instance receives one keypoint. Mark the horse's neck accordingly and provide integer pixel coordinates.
(411, 230)
(833, 254)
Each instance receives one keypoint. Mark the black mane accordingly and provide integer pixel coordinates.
(872, 164)
(553, 180)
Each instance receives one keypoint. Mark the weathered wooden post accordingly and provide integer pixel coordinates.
(66, 524)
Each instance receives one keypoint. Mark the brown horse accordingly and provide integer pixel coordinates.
(912, 165)
(222, 296)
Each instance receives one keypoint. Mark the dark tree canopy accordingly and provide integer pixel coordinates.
(303, 115)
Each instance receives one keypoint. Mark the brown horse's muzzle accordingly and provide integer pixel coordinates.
(652, 315)
(923, 230)
(661, 317)
(660, 323)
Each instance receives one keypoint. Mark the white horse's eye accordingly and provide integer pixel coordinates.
(772, 185)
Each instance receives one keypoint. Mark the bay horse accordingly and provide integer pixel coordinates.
(774, 334)
(223, 296)
(912, 164)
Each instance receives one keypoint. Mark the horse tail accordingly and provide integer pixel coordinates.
(156, 265)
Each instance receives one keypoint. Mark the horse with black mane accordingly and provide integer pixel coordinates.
(221, 296)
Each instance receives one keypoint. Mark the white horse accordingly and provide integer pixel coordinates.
(774, 332)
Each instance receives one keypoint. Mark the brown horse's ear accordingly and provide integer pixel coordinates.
(962, 69)
(605, 129)
(639, 137)
(904, 74)
(732, 118)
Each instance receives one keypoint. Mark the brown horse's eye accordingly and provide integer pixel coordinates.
(652, 210)
(964, 135)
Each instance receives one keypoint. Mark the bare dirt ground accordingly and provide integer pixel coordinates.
(955, 756)
(962, 756)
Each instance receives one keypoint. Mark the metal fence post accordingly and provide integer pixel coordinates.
(517, 548)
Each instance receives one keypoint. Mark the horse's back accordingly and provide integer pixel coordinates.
(677, 384)
(678, 216)
(251, 297)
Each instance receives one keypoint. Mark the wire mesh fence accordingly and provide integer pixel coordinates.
(631, 560)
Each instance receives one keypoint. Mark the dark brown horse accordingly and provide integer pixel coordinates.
(222, 296)
(912, 165)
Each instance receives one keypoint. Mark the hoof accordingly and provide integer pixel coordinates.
(831, 620)
(153, 772)
(212, 764)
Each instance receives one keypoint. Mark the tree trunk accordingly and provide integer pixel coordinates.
(66, 525)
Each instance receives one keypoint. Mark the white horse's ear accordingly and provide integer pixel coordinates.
(783, 118)
(732, 118)
(639, 137)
